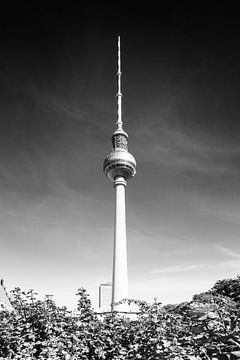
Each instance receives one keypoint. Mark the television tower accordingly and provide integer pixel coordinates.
(119, 166)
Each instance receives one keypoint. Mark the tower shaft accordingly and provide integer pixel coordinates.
(120, 273)
(119, 166)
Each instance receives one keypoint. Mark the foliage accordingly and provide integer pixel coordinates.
(228, 287)
(205, 328)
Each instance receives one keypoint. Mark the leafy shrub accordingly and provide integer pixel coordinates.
(228, 287)
(205, 328)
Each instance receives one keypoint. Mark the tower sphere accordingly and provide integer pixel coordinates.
(119, 163)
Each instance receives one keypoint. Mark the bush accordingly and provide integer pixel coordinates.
(205, 328)
(228, 287)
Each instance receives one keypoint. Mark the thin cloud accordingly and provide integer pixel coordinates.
(175, 149)
(174, 269)
(228, 252)
(225, 214)
(229, 264)
(70, 110)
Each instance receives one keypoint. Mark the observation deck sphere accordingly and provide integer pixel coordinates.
(119, 163)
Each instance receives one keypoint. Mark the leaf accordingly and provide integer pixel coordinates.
(167, 343)
(236, 354)
(212, 315)
(197, 329)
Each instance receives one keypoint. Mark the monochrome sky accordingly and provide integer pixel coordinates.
(181, 85)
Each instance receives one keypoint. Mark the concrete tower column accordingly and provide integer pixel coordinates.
(119, 166)
(120, 273)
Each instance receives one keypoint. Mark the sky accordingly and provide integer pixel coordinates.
(58, 109)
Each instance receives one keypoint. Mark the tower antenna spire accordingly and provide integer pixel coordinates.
(119, 94)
